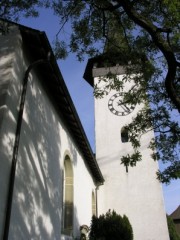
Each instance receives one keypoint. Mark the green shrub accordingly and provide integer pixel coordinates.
(172, 230)
(110, 226)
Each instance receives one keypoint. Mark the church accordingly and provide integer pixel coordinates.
(51, 181)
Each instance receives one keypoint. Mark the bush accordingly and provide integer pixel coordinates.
(110, 226)
(172, 230)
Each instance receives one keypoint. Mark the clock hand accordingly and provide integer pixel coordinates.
(119, 103)
(125, 108)
(123, 105)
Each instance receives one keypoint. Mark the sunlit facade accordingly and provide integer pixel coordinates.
(51, 182)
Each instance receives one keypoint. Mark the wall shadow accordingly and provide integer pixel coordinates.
(36, 211)
(37, 198)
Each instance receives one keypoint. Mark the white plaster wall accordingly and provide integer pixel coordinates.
(37, 199)
(9, 99)
(138, 193)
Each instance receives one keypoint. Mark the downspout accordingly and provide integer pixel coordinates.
(16, 146)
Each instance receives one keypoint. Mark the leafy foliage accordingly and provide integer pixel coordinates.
(143, 36)
(111, 226)
(172, 230)
(12, 9)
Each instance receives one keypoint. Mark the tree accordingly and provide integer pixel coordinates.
(111, 226)
(147, 34)
(123, 31)
(12, 9)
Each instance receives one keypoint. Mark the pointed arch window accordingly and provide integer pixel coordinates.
(68, 196)
(124, 135)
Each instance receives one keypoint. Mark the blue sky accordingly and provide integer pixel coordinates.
(82, 94)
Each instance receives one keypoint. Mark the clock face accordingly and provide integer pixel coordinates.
(118, 107)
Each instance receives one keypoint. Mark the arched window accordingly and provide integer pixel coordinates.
(68, 196)
(124, 134)
(93, 204)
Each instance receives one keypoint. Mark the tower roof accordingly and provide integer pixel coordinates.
(105, 62)
(110, 59)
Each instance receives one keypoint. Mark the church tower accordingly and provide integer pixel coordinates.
(135, 192)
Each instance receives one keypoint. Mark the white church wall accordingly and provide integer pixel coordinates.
(136, 193)
(9, 100)
(38, 190)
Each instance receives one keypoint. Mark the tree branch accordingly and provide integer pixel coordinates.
(162, 44)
